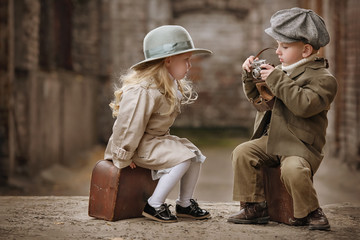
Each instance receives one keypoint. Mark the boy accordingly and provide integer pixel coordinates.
(292, 133)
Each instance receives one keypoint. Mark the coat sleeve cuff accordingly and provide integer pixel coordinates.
(120, 153)
(247, 77)
(121, 164)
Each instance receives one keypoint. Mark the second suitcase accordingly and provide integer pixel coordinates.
(279, 201)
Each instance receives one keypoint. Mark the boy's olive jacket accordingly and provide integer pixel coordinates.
(298, 120)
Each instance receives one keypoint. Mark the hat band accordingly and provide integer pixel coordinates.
(168, 49)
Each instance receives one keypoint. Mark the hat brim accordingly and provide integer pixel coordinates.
(195, 51)
(279, 37)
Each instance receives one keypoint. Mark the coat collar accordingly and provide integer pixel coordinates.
(316, 64)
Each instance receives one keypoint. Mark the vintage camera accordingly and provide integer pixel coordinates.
(256, 68)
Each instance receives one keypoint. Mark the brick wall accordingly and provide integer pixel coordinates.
(347, 115)
(6, 79)
(343, 133)
(85, 36)
(351, 148)
(52, 118)
(129, 25)
(68, 54)
(233, 30)
(27, 31)
(26, 51)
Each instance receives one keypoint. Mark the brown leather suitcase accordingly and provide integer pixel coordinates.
(279, 201)
(117, 194)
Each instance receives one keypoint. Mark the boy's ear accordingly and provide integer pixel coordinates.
(307, 51)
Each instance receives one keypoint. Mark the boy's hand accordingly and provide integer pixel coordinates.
(266, 70)
(132, 165)
(247, 64)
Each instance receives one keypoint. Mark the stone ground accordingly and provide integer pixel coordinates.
(47, 217)
(54, 206)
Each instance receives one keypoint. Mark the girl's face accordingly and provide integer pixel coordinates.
(178, 65)
(290, 53)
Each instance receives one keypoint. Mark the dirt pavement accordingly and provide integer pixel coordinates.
(38, 218)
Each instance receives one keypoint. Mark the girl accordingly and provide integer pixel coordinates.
(146, 106)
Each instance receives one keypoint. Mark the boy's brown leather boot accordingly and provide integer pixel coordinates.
(251, 213)
(318, 221)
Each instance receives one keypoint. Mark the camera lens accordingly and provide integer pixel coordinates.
(256, 73)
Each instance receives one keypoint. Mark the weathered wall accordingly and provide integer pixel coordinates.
(351, 147)
(344, 53)
(233, 30)
(62, 58)
(6, 79)
(53, 89)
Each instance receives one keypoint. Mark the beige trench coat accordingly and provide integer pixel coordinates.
(299, 117)
(141, 131)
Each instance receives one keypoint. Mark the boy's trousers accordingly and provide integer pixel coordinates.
(248, 157)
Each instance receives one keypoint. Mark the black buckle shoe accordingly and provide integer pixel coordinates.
(160, 214)
(192, 211)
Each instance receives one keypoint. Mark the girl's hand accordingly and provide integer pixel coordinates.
(266, 70)
(247, 64)
(132, 165)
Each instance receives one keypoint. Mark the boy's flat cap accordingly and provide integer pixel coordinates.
(297, 24)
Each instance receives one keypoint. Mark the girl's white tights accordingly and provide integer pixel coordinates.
(187, 173)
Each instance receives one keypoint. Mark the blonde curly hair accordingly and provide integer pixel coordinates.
(157, 72)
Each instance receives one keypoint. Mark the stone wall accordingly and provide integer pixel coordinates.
(351, 147)
(343, 51)
(6, 78)
(233, 30)
(63, 58)
(48, 112)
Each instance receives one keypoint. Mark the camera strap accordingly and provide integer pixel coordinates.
(257, 55)
(265, 101)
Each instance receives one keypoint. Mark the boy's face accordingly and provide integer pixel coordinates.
(290, 53)
(178, 65)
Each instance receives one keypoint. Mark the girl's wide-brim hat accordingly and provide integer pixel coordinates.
(166, 41)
